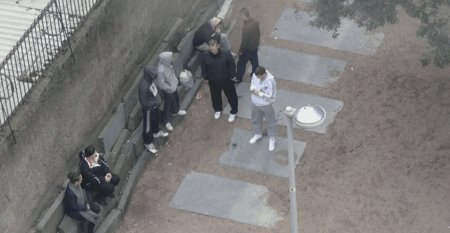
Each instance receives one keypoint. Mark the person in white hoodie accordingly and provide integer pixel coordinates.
(263, 88)
(167, 82)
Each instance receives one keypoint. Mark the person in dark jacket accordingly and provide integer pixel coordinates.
(208, 29)
(218, 69)
(150, 101)
(76, 202)
(96, 174)
(248, 50)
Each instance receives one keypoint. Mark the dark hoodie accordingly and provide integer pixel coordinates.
(92, 175)
(148, 93)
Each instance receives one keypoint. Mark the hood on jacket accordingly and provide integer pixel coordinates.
(165, 58)
(150, 73)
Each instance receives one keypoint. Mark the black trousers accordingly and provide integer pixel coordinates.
(150, 123)
(171, 106)
(247, 55)
(229, 89)
(104, 189)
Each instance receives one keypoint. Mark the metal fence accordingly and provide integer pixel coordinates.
(36, 49)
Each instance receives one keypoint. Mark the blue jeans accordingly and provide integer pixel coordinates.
(247, 55)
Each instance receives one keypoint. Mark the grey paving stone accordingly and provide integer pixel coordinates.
(135, 117)
(111, 222)
(52, 216)
(301, 67)
(288, 98)
(135, 174)
(111, 132)
(257, 157)
(69, 225)
(295, 26)
(225, 198)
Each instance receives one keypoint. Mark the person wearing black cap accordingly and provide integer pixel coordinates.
(96, 174)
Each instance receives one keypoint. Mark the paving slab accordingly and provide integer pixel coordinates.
(294, 25)
(225, 198)
(257, 157)
(301, 67)
(288, 98)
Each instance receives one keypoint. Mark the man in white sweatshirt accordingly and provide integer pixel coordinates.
(263, 88)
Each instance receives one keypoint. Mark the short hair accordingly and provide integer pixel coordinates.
(244, 11)
(74, 176)
(260, 70)
(214, 39)
(89, 150)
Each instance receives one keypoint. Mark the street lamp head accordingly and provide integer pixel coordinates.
(307, 116)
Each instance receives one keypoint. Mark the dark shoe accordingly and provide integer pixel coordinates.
(102, 202)
(112, 195)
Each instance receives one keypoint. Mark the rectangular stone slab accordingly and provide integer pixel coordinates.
(225, 198)
(257, 157)
(301, 67)
(295, 26)
(288, 98)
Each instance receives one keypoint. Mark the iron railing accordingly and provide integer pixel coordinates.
(40, 44)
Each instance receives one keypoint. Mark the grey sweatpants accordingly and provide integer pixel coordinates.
(258, 112)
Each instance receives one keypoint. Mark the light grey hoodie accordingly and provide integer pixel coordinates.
(166, 80)
(267, 89)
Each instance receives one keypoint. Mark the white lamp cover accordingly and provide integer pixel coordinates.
(309, 116)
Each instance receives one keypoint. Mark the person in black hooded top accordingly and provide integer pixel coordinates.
(96, 174)
(150, 101)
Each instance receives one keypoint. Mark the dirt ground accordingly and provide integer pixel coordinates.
(383, 165)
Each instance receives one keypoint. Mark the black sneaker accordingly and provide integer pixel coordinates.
(102, 202)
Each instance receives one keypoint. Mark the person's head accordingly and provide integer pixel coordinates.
(90, 153)
(167, 58)
(214, 43)
(260, 72)
(245, 14)
(75, 177)
(216, 24)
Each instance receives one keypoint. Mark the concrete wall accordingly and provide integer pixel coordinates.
(67, 107)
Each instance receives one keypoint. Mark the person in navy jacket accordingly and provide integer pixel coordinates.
(76, 202)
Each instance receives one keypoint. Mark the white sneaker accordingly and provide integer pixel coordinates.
(255, 138)
(271, 144)
(181, 113)
(160, 134)
(151, 147)
(217, 115)
(169, 126)
(232, 117)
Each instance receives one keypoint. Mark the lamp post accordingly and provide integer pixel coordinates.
(306, 117)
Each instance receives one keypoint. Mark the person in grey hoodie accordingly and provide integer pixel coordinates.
(167, 82)
(150, 101)
(263, 88)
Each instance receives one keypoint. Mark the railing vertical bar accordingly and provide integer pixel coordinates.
(31, 64)
(26, 63)
(14, 77)
(53, 36)
(73, 13)
(10, 76)
(19, 70)
(37, 48)
(69, 25)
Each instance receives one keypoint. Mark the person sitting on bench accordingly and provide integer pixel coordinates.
(96, 175)
(76, 202)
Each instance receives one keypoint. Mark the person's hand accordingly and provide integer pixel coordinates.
(239, 52)
(108, 177)
(235, 80)
(88, 207)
